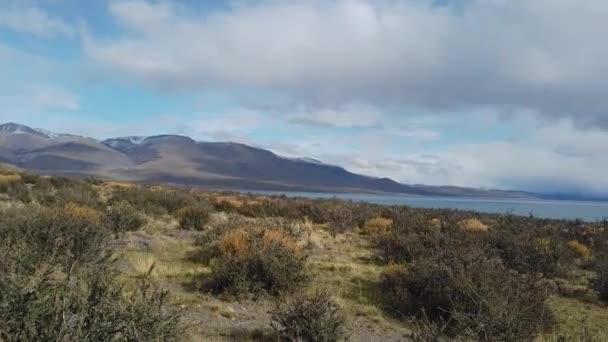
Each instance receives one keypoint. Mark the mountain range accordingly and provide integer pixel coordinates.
(180, 160)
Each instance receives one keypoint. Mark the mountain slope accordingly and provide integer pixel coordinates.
(43, 151)
(183, 161)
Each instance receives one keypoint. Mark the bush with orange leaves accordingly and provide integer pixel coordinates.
(257, 261)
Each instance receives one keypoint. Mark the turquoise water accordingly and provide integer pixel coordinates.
(588, 211)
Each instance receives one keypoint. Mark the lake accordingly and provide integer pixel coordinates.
(588, 211)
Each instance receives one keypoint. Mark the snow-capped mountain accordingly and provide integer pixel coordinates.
(13, 128)
(122, 141)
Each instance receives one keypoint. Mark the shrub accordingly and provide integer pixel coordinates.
(81, 213)
(393, 282)
(123, 217)
(534, 255)
(309, 318)
(403, 247)
(258, 260)
(154, 201)
(171, 200)
(193, 217)
(227, 204)
(57, 282)
(343, 216)
(59, 192)
(84, 306)
(475, 295)
(377, 225)
(32, 237)
(7, 180)
(532, 250)
(601, 279)
(580, 249)
(473, 226)
(14, 187)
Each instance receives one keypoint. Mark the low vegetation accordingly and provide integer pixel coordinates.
(309, 317)
(601, 280)
(58, 283)
(193, 217)
(123, 217)
(97, 261)
(257, 260)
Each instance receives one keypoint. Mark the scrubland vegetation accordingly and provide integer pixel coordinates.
(89, 260)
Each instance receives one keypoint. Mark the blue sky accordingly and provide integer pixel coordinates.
(493, 93)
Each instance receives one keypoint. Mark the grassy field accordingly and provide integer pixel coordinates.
(189, 265)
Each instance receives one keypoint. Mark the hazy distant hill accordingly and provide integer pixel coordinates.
(181, 160)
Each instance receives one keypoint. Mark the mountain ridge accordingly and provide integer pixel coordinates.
(181, 160)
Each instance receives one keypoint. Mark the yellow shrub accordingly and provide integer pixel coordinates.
(473, 226)
(83, 213)
(436, 222)
(9, 179)
(234, 243)
(377, 225)
(579, 248)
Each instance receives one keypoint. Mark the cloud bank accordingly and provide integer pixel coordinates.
(544, 55)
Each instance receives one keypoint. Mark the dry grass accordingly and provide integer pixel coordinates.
(377, 225)
(473, 225)
(224, 310)
(344, 265)
(578, 321)
(141, 263)
(120, 185)
(172, 265)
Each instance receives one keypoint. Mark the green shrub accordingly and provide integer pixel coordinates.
(400, 247)
(474, 294)
(84, 306)
(193, 217)
(57, 282)
(258, 261)
(309, 318)
(61, 191)
(154, 201)
(339, 215)
(415, 236)
(31, 237)
(123, 217)
(533, 251)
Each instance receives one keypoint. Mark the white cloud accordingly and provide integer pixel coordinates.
(559, 157)
(32, 20)
(543, 55)
(38, 98)
(347, 116)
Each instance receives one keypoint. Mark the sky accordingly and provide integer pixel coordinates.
(509, 94)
